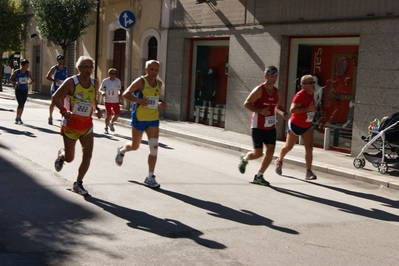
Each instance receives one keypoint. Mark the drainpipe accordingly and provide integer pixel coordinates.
(97, 38)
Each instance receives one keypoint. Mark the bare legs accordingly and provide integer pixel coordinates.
(307, 138)
(137, 135)
(258, 152)
(68, 154)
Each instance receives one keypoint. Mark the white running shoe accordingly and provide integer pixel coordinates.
(119, 156)
(78, 188)
(151, 182)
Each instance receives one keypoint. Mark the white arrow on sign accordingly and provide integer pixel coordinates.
(127, 20)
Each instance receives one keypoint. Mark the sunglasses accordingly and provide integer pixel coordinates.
(310, 82)
(271, 72)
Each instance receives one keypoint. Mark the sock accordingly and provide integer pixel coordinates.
(150, 174)
(259, 174)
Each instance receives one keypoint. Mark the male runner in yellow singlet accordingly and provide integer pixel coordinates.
(76, 99)
(145, 93)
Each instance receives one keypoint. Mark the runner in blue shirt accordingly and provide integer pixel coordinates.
(57, 74)
(20, 79)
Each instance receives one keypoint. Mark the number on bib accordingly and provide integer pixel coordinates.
(82, 108)
(310, 116)
(153, 102)
(270, 121)
(23, 80)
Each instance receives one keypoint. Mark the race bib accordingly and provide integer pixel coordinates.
(23, 80)
(82, 108)
(310, 116)
(59, 82)
(270, 121)
(153, 102)
(112, 92)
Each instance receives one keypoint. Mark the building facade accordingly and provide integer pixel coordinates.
(115, 40)
(213, 53)
(351, 47)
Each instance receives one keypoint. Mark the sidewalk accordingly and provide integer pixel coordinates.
(323, 161)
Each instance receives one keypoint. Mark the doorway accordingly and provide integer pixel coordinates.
(119, 60)
(208, 93)
(36, 66)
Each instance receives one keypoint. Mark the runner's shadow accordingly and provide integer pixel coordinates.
(145, 142)
(163, 227)
(386, 201)
(18, 132)
(345, 207)
(217, 210)
(7, 110)
(42, 129)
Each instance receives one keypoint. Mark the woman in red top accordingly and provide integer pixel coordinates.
(301, 124)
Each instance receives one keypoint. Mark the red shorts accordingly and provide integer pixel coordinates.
(112, 106)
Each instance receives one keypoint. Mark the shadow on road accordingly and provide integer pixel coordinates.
(217, 210)
(18, 132)
(163, 227)
(144, 142)
(7, 110)
(345, 207)
(42, 129)
(386, 201)
(37, 227)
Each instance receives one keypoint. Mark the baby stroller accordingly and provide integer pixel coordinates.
(386, 141)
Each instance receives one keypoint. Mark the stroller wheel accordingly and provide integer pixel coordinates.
(383, 168)
(363, 161)
(358, 163)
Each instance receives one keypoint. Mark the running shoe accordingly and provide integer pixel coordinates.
(78, 188)
(151, 182)
(59, 162)
(111, 127)
(106, 130)
(50, 121)
(119, 156)
(242, 165)
(16, 120)
(20, 121)
(279, 166)
(310, 175)
(259, 180)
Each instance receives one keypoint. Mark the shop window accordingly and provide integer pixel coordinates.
(334, 70)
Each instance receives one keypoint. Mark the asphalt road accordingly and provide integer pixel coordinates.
(206, 212)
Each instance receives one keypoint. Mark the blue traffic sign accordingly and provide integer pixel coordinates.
(127, 19)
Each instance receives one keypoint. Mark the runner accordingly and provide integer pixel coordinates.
(302, 110)
(264, 102)
(79, 92)
(20, 79)
(145, 93)
(111, 91)
(57, 74)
